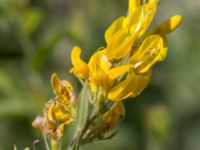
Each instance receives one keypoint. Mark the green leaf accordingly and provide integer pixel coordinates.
(83, 106)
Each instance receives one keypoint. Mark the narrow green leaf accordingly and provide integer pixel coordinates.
(83, 106)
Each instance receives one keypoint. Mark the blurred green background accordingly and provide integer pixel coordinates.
(36, 38)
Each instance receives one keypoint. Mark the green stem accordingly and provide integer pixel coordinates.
(55, 145)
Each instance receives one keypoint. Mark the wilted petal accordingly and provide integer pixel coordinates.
(63, 89)
(112, 117)
(39, 122)
(56, 116)
(60, 87)
(60, 130)
(61, 113)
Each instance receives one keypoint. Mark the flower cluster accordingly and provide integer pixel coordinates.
(58, 111)
(120, 70)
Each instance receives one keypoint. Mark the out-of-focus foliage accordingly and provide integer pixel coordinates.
(36, 38)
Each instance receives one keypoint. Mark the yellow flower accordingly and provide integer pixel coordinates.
(58, 112)
(139, 20)
(148, 53)
(132, 86)
(56, 117)
(166, 27)
(119, 40)
(63, 89)
(99, 69)
(123, 32)
(113, 116)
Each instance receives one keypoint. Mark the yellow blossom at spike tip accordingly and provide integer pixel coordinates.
(59, 111)
(126, 36)
(122, 34)
(113, 116)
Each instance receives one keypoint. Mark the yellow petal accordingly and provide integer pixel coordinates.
(75, 56)
(115, 26)
(118, 71)
(104, 63)
(141, 83)
(55, 81)
(130, 87)
(98, 66)
(120, 45)
(164, 50)
(148, 53)
(170, 25)
(60, 130)
(112, 117)
(154, 1)
(133, 5)
(80, 68)
(120, 108)
(140, 20)
(99, 60)
(63, 89)
(60, 112)
(50, 111)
